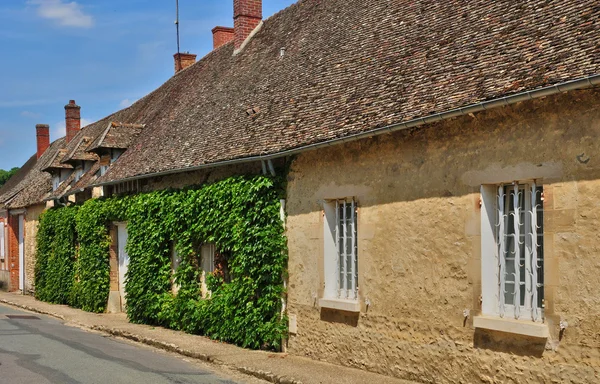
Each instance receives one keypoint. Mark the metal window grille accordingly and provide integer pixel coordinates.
(346, 245)
(520, 240)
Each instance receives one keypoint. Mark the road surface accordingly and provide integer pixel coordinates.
(36, 349)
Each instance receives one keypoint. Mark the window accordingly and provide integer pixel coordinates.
(207, 253)
(55, 182)
(513, 251)
(175, 262)
(78, 173)
(341, 250)
(115, 154)
(207, 256)
(2, 246)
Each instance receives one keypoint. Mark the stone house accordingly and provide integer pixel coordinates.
(21, 203)
(441, 197)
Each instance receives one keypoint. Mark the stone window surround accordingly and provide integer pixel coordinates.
(507, 325)
(332, 303)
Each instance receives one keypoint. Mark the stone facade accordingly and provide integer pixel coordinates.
(32, 220)
(419, 247)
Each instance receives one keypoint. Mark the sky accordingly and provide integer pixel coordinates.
(104, 54)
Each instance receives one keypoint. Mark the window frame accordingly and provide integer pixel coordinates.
(341, 236)
(207, 266)
(2, 241)
(493, 266)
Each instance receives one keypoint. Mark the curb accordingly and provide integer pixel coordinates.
(260, 374)
(32, 309)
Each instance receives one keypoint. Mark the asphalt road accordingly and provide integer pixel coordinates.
(41, 350)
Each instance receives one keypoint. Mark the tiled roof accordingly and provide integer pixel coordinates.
(351, 66)
(116, 135)
(78, 151)
(8, 189)
(88, 178)
(63, 188)
(55, 163)
(35, 183)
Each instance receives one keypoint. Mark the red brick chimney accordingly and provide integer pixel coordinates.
(73, 119)
(183, 60)
(42, 133)
(222, 36)
(247, 14)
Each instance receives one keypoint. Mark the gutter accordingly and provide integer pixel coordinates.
(582, 83)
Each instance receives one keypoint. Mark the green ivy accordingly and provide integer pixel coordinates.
(56, 245)
(240, 215)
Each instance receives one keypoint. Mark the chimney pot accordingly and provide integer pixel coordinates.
(42, 133)
(72, 119)
(183, 60)
(222, 36)
(247, 14)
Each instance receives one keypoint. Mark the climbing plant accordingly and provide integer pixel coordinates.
(56, 251)
(240, 215)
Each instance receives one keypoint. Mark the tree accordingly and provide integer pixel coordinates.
(5, 175)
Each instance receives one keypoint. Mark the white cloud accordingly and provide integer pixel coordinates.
(30, 115)
(126, 103)
(64, 13)
(60, 129)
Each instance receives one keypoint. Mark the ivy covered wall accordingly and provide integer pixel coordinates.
(240, 215)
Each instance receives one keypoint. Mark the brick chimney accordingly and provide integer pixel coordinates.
(247, 14)
(73, 119)
(222, 36)
(42, 134)
(183, 60)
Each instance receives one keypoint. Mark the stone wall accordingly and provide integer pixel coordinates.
(419, 247)
(32, 219)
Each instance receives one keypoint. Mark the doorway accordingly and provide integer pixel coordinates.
(123, 259)
(21, 253)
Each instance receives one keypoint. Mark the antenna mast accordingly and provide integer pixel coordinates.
(177, 27)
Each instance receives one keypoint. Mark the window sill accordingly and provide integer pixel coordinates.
(519, 327)
(340, 304)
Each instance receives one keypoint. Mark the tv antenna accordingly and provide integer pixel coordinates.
(177, 27)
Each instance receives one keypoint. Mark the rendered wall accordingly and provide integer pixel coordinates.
(419, 248)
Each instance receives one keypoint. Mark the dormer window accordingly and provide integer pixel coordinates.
(115, 154)
(78, 173)
(55, 182)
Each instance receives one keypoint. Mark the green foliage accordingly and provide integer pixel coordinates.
(92, 267)
(240, 215)
(5, 175)
(56, 245)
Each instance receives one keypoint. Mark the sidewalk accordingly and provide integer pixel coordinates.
(273, 367)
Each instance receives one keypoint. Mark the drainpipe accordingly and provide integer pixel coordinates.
(284, 339)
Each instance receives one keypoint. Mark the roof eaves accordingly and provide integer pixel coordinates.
(577, 84)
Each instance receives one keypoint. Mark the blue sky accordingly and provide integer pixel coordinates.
(104, 54)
